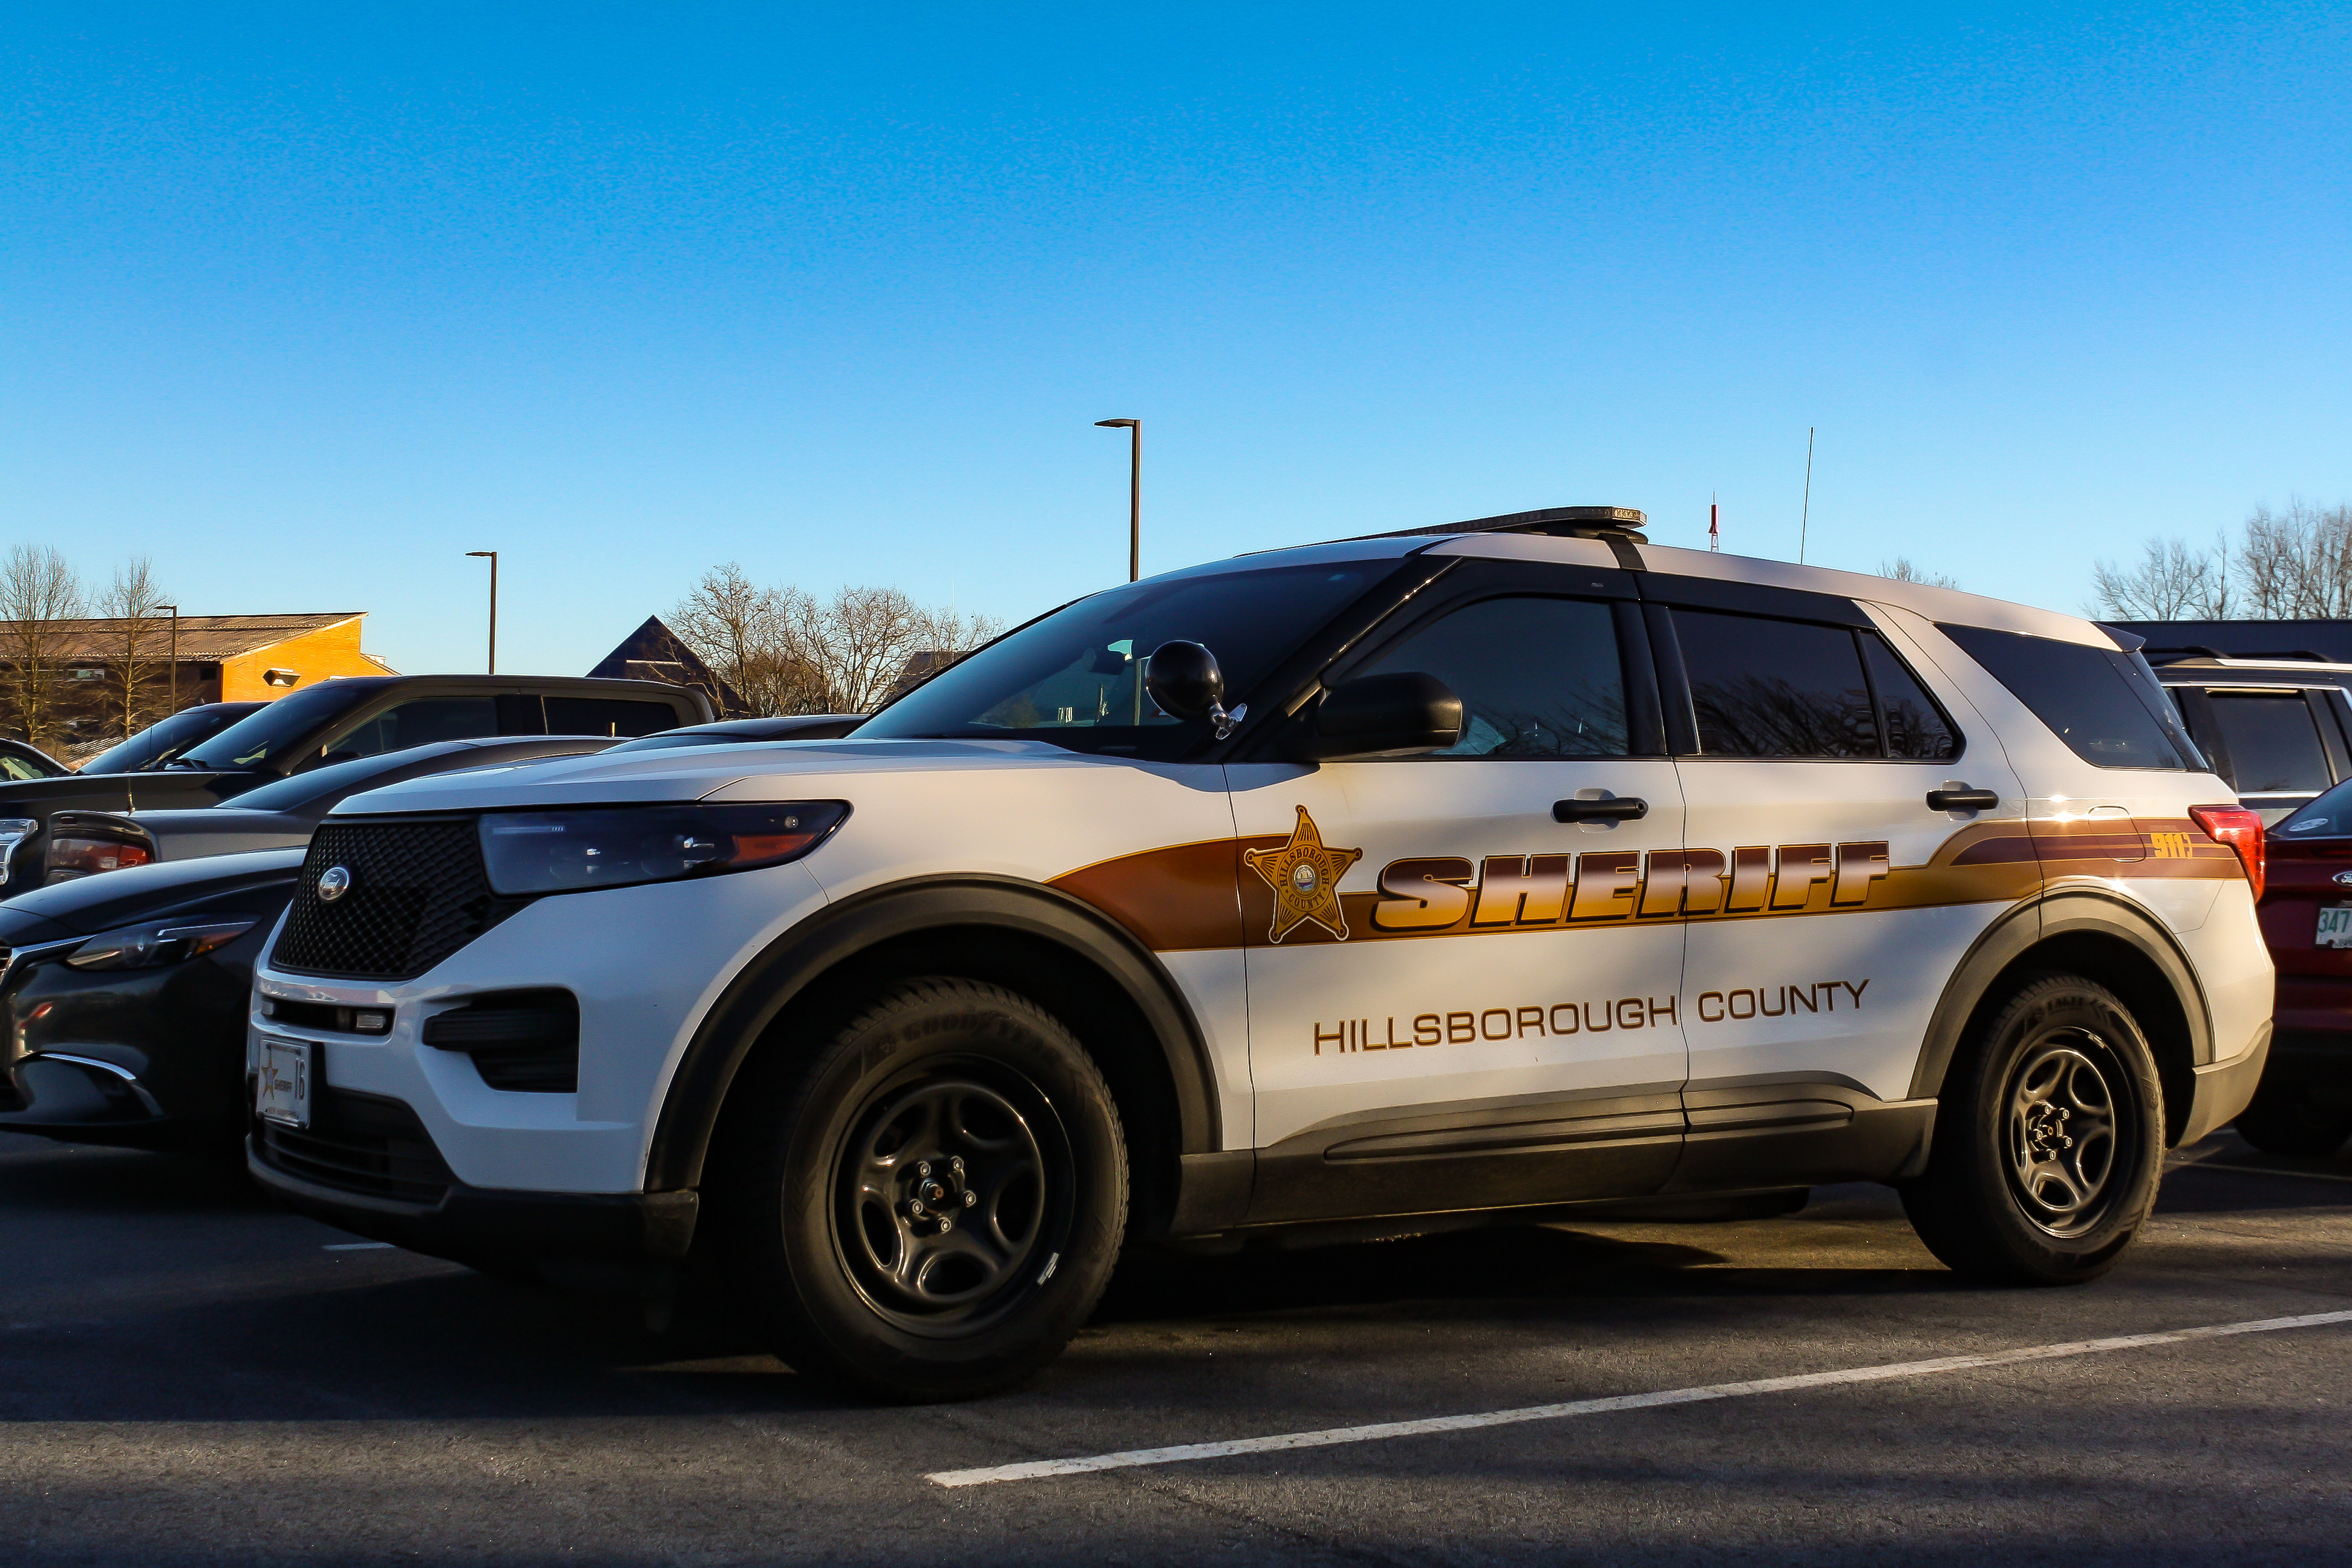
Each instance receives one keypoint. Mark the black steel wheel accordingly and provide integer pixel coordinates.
(953, 1187)
(928, 1204)
(2049, 1138)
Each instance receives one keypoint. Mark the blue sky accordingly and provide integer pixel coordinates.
(307, 301)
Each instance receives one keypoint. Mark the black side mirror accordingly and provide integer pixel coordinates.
(1398, 715)
(1184, 679)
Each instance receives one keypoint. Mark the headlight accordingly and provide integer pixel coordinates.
(616, 846)
(152, 946)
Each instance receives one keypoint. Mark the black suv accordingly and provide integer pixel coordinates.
(335, 721)
(2277, 728)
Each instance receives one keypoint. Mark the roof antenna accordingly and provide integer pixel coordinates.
(1713, 524)
(1805, 523)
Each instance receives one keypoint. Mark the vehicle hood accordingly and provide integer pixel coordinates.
(142, 892)
(768, 770)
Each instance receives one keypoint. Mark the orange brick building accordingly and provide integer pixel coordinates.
(219, 659)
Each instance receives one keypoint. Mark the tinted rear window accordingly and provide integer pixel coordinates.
(2098, 701)
(607, 716)
(2274, 746)
(1775, 688)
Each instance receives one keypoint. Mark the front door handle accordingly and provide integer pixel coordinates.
(1621, 808)
(1962, 799)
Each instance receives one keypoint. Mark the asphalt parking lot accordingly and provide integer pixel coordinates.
(190, 1375)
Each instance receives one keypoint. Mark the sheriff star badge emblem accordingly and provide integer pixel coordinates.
(1305, 876)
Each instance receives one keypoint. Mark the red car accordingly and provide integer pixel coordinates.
(2304, 1104)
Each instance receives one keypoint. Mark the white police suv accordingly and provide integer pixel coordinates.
(1487, 870)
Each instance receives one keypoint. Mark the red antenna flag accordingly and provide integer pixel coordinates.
(1714, 526)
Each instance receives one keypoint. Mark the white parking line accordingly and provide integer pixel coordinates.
(1038, 1470)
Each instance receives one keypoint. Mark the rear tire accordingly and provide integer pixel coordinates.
(2284, 1119)
(2049, 1139)
(930, 1205)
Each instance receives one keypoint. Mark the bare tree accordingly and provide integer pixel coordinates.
(1902, 570)
(861, 638)
(2286, 565)
(40, 593)
(130, 603)
(2170, 582)
(751, 635)
(789, 652)
(2297, 564)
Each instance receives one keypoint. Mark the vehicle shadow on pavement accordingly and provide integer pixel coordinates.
(37, 1174)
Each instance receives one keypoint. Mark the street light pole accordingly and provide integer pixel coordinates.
(494, 605)
(175, 656)
(1134, 427)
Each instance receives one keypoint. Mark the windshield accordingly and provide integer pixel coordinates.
(281, 727)
(160, 742)
(2328, 816)
(1075, 677)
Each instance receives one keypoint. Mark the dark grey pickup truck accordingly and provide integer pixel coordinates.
(336, 721)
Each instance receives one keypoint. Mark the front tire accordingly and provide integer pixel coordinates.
(930, 1205)
(2049, 1139)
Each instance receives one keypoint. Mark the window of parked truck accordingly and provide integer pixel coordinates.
(2272, 743)
(607, 716)
(2098, 701)
(420, 723)
(1538, 677)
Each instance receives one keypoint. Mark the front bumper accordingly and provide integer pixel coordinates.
(146, 1058)
(627, 1242)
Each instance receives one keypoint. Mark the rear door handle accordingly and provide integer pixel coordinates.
(1962, 800)
(1621, 808)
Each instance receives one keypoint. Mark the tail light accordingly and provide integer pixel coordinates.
(2242, 830)
(85, 852)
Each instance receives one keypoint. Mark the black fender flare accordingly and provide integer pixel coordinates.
(2064, 911)
(839, 933)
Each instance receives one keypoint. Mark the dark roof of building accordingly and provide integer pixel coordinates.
(202, 638)
(653, 652)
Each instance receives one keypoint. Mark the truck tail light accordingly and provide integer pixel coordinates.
(86, 852)
(2242, 830)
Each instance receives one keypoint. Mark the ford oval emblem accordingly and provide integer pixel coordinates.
(2343, 879)
(333, 883)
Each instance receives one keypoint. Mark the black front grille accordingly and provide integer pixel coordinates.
(359, 1144)
(418, 893)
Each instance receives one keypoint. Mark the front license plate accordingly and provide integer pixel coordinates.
(282, 1091)
(2335, 926)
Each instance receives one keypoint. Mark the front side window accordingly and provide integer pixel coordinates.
(1538, 677)
(1076, 677)
(420, 723)
(2094, 698)
(2273, 744)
